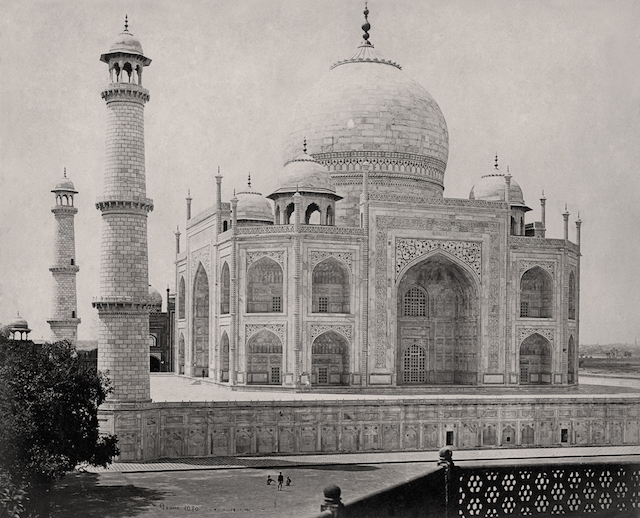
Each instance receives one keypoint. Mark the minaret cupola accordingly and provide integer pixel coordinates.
(125, 58)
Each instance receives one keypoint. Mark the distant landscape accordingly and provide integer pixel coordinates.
(610, 359)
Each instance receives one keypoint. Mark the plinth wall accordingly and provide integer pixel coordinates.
(200, 429)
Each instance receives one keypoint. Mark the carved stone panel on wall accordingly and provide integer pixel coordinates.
(318, 256)
(315, 330)
(386, 223)
(549, 266)
(276, 255)
(202, 255)
(252, 329)
(547, 332)
(409, 249)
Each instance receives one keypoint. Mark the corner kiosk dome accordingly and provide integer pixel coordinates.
(155, 299)
(366, 108)
(65, 185)
(252, 206)
(305, 174)
(491, 187)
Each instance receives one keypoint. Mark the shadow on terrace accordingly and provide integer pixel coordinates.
(598, 487)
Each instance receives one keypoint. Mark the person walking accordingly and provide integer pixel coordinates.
(280, 481)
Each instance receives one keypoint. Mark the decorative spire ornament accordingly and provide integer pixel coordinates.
(126, 23)
(366, 26)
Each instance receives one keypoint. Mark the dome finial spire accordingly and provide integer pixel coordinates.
(249, 180)
(126, 23)
(366, 26)
(496, 166)
(304, 146)
(65, 172)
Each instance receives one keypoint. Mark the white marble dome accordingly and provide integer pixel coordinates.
(252, 206)
(305, 174)
(366, 107)
(491, 187)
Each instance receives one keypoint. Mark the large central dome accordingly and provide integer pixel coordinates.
(367, 108)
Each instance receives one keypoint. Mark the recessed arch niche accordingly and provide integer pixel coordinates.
(536, 294)
(437, 325)
(571, 361)
(201, 323)
(330, 359)
(264, 358)
(264, 287)
(535, 360)
(181, 354)
(330, 287)
(224, 357)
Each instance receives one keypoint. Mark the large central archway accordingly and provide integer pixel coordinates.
(438, 318)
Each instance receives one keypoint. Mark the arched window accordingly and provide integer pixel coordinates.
(330, 287)
(278, 215)
(536, 294)
(264, 358)
(264, 287)
(224, 356)
(127, 68)
(181, 298)
(329, 215)
(312, 215)
(414, 303)
(225, 226)
(225, 292)
(535, 360)
(201, 323)
(288, 213)
(572, 296)
(181, 354)
(571, 361)
(514, 226)
(330, 359)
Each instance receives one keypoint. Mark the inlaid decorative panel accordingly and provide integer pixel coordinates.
(467, 251)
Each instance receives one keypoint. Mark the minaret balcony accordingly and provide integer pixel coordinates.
(130, 90)
(64, 209)
(67, 268)
(124, 203)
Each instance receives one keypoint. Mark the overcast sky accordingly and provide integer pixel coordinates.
(551, 86)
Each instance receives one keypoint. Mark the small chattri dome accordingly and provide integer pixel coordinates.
(155, 299)
(126, 42)
(18, 324)
(252, 206)
(305, 174)
(64, 184)
(491, 187)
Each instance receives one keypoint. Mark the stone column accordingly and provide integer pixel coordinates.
(578, 228)
(188, 198)
(177, 234)
(364, 364)
(543, 214)
(233, 335)
(297, 346)
(565, 215)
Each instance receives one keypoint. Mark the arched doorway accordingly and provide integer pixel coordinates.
(201, 323)
(535, 360)
(438, 315)
(264, 359)
(571, 361)
(330, 359)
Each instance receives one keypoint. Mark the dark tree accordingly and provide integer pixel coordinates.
(49, 412)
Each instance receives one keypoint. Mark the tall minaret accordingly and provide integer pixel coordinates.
(64, 320)
(123, 303)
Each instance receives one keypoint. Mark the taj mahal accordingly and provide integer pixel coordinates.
(442, 320)
(357, 271)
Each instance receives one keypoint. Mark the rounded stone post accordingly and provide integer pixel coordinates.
(332, 501)
(565, 215)
(233, 336)
(543, 214)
